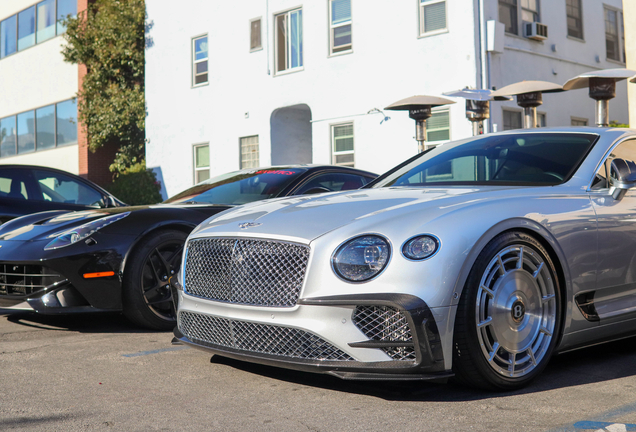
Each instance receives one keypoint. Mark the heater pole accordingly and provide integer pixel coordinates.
(602, 113)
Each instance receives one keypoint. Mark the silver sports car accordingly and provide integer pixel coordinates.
(479, 258)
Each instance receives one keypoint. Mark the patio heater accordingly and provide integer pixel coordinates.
(419, 108)
(602, 85)
(477, 105)
(529, 97)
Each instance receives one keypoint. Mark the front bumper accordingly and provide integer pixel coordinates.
(356, 337)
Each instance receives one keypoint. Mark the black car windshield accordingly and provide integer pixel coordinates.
(239, 187)
(533, 159)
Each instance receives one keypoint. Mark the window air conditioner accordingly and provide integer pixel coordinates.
(536, 31)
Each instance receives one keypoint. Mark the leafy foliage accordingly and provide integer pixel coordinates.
(109, 39)
(616, 124)
(137, 186)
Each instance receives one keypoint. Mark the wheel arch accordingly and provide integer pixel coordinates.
(544, 237)
(184, 227)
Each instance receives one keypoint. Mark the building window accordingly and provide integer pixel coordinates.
(65, 8)
(438, 126)
(530, 10)
(26, 28)
(578, 121)
(8, 137)
(508, 15)
(41, 129)
(575, 18)
(255, 35)
(201, 163)
(200, 60)
(46, 20)
(289, 40)
(249, 152)
(611, 35)
(511, 119)
(340, 26)
(432, 16)
(342, 144)
(541, 120)
(8, 36)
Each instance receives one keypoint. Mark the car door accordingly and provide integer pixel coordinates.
(615, 297)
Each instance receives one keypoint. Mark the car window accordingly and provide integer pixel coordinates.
(541, 159)
(333, 182)
(239, 187)
(61, 188)
(13, 184)
(625, 150)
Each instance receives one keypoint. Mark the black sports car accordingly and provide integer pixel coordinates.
(26, 189)
(121, 259)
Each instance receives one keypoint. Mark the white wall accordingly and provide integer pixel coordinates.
(389, 62)
(33, 78)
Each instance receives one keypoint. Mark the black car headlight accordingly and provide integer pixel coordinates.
(73, 235)
(361, 258)
(420, 247)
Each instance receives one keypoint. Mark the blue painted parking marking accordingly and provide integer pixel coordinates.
(602, 418)
(143, 353)
(596, 425)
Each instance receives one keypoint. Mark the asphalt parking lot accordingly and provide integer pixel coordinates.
(100, 373)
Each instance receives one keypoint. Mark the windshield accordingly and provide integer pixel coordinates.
(533, 159)
(239, 187)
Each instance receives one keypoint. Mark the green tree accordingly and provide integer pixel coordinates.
(109, 39)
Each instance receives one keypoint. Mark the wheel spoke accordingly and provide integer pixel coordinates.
(154, 269)
(485, 322)
(547, 298)
(488, 291)
(502, 269)
(531, 354)
(161, 300)
(513, 363)
(175, 258)
(520, 259)
(537, 271)
(495, 348)
(166, 265)
(545, 331)
(155, 289)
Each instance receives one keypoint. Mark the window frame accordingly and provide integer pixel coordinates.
(579, 119)
(421, 15)
(260, 36)
(258, 150)
(194, 162)
(333, 27)
(428, 129)
(580, 18)
(288, 68)
(334, 153)
(194, 61)
(519, 13)
(619, 34)
(511, 110)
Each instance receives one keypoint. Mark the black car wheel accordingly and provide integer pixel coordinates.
(147, 299)
(509, 315)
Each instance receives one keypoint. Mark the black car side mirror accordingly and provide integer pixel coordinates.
(107, 201)
(623, 177)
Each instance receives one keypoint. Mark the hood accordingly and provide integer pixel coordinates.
(40, 226)
(309, 217)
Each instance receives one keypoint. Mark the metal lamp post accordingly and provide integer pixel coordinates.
(477, 105)
(602, 85)
(529, 97)
(419, 108)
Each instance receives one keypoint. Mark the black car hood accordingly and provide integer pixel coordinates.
(40, 226)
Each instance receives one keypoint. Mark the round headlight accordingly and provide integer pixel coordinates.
(361, 258)
(420, 247)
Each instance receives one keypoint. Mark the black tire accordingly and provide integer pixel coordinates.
(146, 296)
(498, 345)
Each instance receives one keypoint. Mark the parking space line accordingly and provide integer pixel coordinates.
(602, 419)
(595, 425)
(143, 353)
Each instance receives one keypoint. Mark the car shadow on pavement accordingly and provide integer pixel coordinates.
(82, 323)
(586, 366)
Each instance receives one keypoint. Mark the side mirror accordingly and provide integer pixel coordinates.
(107, 201)
(623, 177)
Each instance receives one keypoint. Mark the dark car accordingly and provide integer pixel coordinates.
(26, 189)
(121, 259)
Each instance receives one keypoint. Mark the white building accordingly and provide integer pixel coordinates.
(38, 110)
(282, 81)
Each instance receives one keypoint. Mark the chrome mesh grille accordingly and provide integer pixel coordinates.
(246, 271)
(22, 280)
(387, 324)
(258, 338)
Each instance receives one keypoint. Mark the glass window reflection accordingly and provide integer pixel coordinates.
(67, 123)
(26, 28)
